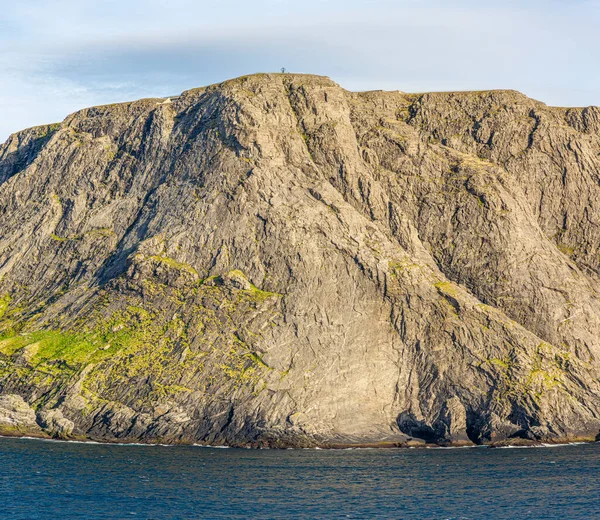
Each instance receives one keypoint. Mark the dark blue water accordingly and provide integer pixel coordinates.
(45, 479)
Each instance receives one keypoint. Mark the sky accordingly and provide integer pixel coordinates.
(58, 56)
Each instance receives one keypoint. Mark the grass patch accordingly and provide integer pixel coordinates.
(447, 288)
(4, 303)
(56, 238)
(499, 363)
(397, 267)
(52, 345)
(82, 347)
(144, 340)
(100, 232)
(565, 249)
(257, 359)
(173, 264)
(258, 295)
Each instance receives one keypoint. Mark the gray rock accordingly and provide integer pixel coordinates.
(54, 423)
(16, 415)
(275, 261)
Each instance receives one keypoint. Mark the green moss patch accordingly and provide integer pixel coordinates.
(447, 288)
(173, 264)
(4, 303)
(53, 345)
(56, 238)
(144, 341)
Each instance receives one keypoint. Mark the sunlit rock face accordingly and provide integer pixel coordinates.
(275, 261)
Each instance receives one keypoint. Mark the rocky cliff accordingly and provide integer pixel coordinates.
(276, 261)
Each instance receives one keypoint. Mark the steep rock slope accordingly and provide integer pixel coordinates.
(277, 261)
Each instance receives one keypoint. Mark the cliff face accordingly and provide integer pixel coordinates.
(277, 261)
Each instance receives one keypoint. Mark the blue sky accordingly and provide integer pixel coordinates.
(58, 56)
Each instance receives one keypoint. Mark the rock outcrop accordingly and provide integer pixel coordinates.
(275, 261)
(16, 416)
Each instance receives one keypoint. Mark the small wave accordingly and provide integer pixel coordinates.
(45, 439)
(457, 447)
(559, 445)
(543, 445)
(211, 446)
(349, 448)
(77, 441)
(516, 447)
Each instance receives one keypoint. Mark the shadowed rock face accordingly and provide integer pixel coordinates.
(277, 261)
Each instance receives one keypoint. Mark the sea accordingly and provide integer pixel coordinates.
(67, 480)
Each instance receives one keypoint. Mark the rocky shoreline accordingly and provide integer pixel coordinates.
(416, 444)
(18, 420)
